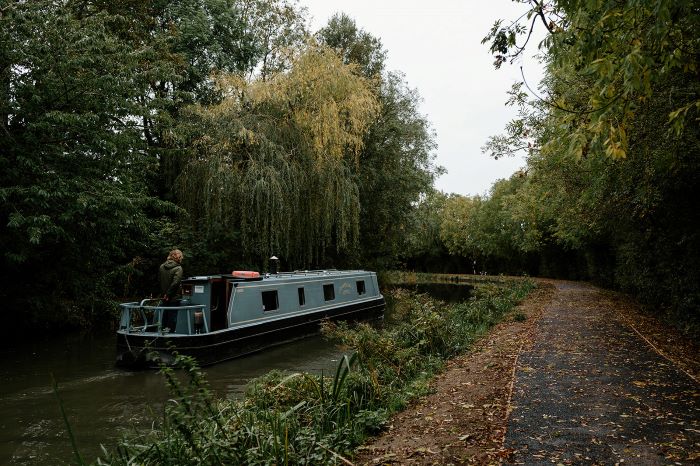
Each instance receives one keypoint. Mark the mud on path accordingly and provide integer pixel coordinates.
(585, 379)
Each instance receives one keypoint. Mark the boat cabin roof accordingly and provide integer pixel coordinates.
(297, 274)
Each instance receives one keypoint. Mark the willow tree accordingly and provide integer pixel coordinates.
(276, 159)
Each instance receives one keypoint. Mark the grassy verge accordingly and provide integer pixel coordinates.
(301, 418)
(407, 277)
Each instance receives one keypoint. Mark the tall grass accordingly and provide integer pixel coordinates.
(301, 418)
(78, 459)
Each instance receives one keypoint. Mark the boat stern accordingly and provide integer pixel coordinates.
(138, 352)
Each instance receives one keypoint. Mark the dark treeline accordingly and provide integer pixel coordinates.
(227, 129)
(222, 127)
(610, 189)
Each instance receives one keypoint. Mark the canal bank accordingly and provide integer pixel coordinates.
(301, 418)
(103, 402)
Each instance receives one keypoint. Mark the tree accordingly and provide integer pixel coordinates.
(397, 159)
(200, 39)
(354, 45)
(612, 153)
(276, 158)
(459, 227)
(423, 247)
(278, 29)
(494, 231)
(623, 50)
(75, 203)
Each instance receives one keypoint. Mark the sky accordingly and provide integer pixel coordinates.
(437, 45)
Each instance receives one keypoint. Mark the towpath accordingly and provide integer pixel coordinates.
(593, 389)
(585, 379)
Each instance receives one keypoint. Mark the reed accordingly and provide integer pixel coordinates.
(303, 418)
(78, 459)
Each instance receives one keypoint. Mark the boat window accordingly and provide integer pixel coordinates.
(269, 300)
(302, 297)
(361, 287)
(329, 292)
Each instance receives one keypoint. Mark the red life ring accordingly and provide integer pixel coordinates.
(245, 274)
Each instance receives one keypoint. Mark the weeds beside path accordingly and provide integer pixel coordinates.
(584, 379)
(463, 421)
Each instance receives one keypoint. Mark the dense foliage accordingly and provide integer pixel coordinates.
(301, 418)
(275, 159)
(221, 127)
(613, 160)
(76, 207)
(396, 163)
(224, 128)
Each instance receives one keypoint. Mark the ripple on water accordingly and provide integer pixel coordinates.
(42, 391)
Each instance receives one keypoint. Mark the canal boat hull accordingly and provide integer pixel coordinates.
(149, 349)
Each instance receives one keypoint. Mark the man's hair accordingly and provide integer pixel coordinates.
(175, 255)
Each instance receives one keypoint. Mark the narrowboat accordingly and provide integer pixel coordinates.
(226, 316)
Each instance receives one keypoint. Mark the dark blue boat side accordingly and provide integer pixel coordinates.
(227, 316)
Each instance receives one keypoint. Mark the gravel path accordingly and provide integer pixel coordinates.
(590, 390)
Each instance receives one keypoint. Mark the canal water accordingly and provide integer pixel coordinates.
(103, 402)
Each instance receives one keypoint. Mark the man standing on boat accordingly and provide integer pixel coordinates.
(170, 275)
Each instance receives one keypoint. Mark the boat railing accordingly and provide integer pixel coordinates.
(150, 316)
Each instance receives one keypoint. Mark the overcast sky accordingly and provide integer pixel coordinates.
(437, 45)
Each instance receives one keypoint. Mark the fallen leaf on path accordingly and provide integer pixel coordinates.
(421, 451)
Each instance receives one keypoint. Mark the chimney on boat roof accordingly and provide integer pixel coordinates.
(275, 264)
